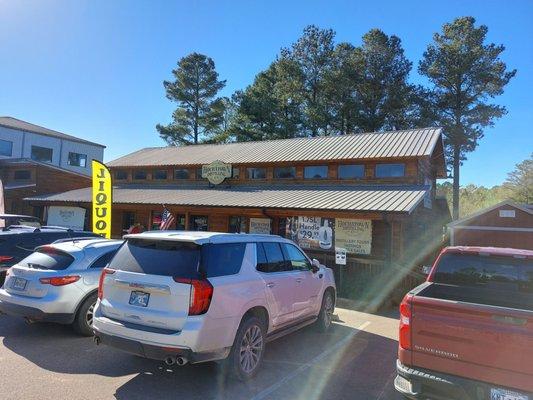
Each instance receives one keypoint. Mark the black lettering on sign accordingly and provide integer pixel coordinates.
(101, 198)
(101, 212)
(101, 225)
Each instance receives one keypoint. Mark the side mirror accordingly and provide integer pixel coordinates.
(426, 269)
(315, 265)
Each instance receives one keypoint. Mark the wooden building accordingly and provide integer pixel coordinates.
(506, 224)
(367, 200)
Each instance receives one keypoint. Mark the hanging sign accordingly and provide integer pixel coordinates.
(314, 233)
(102, 199)
(216, 172)
(354, 235)
(260, 225)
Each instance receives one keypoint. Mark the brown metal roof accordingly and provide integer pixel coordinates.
(19, 125)
(408, 143)
(345, 198)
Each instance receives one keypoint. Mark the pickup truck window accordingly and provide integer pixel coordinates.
(492, 280)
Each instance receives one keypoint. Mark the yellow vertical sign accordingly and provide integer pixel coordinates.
(102, 199)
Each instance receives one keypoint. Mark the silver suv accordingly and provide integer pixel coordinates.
(201, 296)
(58, 282)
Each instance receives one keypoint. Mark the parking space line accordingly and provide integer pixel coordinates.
(275, 386)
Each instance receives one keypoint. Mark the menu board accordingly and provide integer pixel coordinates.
(354, 235)
(313, 233)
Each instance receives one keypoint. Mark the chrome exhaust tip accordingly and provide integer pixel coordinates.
(181, 361)
(170, 360)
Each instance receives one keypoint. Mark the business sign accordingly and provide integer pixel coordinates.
(260, 225)
(216, 172)
(340, 256)
(313, 233)
(354, 235)
(102, 199)
(67, 217)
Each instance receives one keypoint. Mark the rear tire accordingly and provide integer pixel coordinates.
(325, 317)
(246, 355)
(83, 322)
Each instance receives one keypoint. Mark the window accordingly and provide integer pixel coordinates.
(235, 173)
(42, 154)
(297, 259)
(198, 223)
(351, 171)
(6, 148)
(316, 172)
(237, 224)
(77, 159)
(139, 174)
(199, 173)
(285, 172)
(22, 175)
(256, 173)
(48, 259)
(270, 258)
(160, 174)
(181, 174)
(102, 261)
(121, 175)
(390, 170)
(180, 222)
(222, 259)
(128, 219)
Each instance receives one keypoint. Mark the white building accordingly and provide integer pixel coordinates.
(20, 139)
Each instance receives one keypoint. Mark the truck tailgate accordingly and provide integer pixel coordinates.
(483, 342)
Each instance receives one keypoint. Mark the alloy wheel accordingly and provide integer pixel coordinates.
(251, 349)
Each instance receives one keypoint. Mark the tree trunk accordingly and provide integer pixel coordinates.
(456, 164)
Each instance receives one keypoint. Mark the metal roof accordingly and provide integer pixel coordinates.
(320, 197)
(393, 144)
(19, 125)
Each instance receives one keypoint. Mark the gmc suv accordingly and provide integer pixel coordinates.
(201, 296)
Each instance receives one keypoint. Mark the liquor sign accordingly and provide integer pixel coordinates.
(260, 225)
(102, 199)
(313, 233)
(354, 235)
(216, 172)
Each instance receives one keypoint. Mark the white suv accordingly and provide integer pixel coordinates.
(202, 296)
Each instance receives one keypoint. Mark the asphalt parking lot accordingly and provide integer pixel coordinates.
(355, 360)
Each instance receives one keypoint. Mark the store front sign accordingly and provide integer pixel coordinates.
(67, 217)
(354, 235)
(216, 172)
(313, 233)
(260, 225)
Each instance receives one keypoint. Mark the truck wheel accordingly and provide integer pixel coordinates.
(246, 354)
(325, 317)
(84, 318)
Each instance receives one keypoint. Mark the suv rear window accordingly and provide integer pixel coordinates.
(490, 279)
(179, 259)
(48, 259)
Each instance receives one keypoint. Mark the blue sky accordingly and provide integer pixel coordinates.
(95, 68)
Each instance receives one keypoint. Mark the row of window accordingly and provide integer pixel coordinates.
(346, 171)
(44, 154)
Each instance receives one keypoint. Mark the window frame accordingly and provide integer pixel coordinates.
(350, 165)
(249, 169)
(10, 144)
(277, 170)
(181, 169)
(154, 174)
(285, 261)
(112, 253)
(134, 177)
(288, 259)
(15, 178)
(316, 166)
(34, 147)
(84, 158)
(402, 165)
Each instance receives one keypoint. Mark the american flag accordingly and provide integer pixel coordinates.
(167, 219)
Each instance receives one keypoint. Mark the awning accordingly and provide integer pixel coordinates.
(345, 198)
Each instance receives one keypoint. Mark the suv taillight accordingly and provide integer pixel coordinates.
(105, 271)
(201, 294)
(5, 258)
(60, 280)
(405, 322)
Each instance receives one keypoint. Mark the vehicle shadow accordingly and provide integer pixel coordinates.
(344, 363)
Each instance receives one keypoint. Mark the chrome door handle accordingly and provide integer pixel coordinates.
(299, 280)
(271, 284)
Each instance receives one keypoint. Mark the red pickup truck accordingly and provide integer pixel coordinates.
(467, 332)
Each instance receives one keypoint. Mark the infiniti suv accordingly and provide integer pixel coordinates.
(202, 296)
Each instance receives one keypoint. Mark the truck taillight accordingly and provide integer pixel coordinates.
(60, 280)
(201, 294)
(105, 271)
(405, 322)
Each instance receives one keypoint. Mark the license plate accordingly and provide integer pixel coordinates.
(18, 283)
(504, 394)
(139, 298)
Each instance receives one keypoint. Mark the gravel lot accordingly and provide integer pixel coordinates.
(356, 360)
